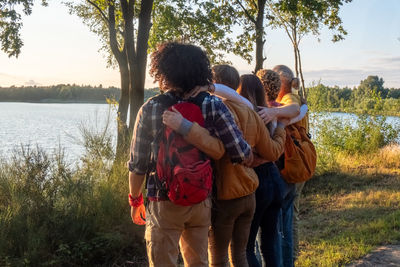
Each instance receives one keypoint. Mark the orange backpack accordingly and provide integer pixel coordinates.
(300, 157)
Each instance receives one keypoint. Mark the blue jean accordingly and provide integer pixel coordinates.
(286, 225)
(269, 197)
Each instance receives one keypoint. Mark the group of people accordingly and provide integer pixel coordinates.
(251, 207)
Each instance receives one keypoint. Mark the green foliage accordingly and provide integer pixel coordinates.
(362, 134)
(55, 214)
(99, 24)
(307, 16)
(58, 93)
(11, 24)
(204, 23)
(369, 97)
(242, 15)
(65, 93)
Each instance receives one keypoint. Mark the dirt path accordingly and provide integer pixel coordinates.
(382, 256)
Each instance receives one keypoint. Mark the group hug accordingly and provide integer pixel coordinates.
(212, 152)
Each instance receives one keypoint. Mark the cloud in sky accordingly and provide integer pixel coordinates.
(351, 77)
(383, 65)
(386, 60)
(31, 83)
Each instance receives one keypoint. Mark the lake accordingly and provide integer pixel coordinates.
(50, 125)
(53, 125)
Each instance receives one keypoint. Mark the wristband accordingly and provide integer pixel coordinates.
(135, 202)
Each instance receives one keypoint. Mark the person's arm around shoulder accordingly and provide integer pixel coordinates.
(267, 147)
(303, 112)
(194, 134)
(228, 132)
(226, 92)
(287, 111)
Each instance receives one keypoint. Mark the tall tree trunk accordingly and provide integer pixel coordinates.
(301, 75)
(295, 44)
(122, 116)
(138, 67)
(259, 35)
(296, 60)
(123, 103)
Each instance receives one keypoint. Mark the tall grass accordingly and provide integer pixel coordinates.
(362, 134)
(52, 213)
(351, 205)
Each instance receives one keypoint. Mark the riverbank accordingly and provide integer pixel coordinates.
(358, 112)
(70, 94)
(58, 101)
(348, 211)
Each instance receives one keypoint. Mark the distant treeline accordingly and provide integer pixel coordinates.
(369, 97)
(63, 93)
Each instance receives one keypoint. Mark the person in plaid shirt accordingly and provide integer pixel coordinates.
(179, 69)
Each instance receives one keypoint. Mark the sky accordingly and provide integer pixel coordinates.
(59, 48)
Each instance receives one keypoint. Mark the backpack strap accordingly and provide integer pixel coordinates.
(198, 100)
(166, 100)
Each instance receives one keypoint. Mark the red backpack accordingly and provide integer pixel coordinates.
(184, 171)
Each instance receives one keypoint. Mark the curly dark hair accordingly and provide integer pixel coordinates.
(180, 67)
(271, 83)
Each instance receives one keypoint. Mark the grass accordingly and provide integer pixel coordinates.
(352, 209)
(55, 214)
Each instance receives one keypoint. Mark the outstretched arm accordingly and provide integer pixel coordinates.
(303, 112)
(288, 111)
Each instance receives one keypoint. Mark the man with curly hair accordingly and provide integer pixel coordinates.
(179, 69)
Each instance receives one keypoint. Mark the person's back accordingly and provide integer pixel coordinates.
(288, 99)
(236, 184)
(167, 223)
(236, 180)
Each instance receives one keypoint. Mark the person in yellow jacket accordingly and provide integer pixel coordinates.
(235, 183)
(289, 107)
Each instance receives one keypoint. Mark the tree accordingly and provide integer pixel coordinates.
(115, 22)
(204, 23)
(301, 17)
(11, 24)
(127, 27)
(249, 15)
(371, 87)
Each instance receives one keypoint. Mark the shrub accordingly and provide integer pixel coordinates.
(52, 213)
(363, 134)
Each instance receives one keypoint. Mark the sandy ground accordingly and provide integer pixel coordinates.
(382, 256)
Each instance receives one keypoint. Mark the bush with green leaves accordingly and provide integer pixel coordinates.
(356, 135)
(53, 213)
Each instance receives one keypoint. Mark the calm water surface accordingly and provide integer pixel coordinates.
(54, 125)
(49, 125)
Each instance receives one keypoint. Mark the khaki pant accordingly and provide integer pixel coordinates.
(231, 228)
(168, 224)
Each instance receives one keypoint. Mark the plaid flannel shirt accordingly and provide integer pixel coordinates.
(218, 121)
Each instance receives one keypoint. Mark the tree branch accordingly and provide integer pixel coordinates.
(113, 35)
(246, 12)
(284, 23)
(103, 16)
